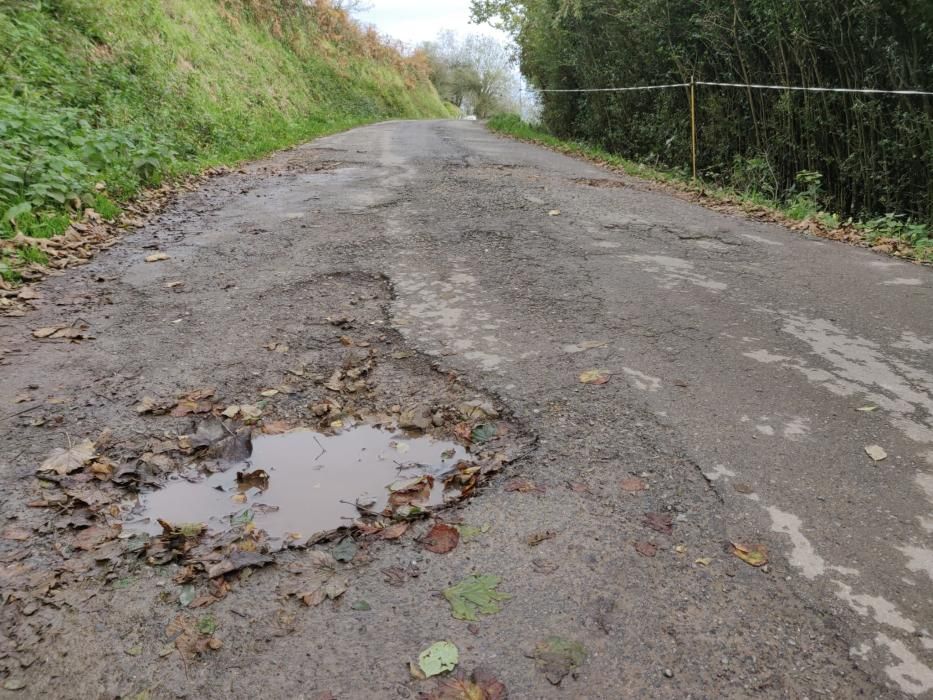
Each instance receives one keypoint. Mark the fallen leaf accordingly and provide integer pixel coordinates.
(438, 658)
(483, 433)
(441, 539)
(14, 684)
(64, 462)
(596, 377)
(867, 409)
(269, 393)
(539, 537)
(475, 595)
(402, 355)
(703, 561)
(16, 534)
(134, 650)
(743, 488)
(554, 212)
(173, 285)
(187, 595)
(22, 398)
(62, 333)
(345, 550)
(279, 427)
(156, 257)
(471, 532)
(578, 487)
(279, 348)
(876, 452)
(556, 657)
(393, 532)
(523, 486)
(238, 560)
(646, 549)
(250, 414)
(753, 555)
(659, 522)
(544, 566)
(480, 685)
(633, 485)
(361, 606)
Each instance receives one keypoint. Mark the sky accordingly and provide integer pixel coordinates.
(414, 21)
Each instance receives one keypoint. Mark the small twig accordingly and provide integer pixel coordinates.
(323, 449)
(363, 509)
(19, 413)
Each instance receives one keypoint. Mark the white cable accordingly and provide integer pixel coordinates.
(864, 91)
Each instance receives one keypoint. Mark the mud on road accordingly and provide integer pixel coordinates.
(575, 338)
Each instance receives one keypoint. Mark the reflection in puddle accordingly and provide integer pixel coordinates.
(304, 483)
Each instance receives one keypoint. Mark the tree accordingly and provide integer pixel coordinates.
(475, 73)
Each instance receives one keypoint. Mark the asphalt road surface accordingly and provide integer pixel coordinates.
(751, 367)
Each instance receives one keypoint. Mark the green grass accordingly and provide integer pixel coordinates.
(101, 98)
(915, 239)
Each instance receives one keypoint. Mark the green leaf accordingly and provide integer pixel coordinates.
(187, 595)
(438, 658)
(207, 625)
(17, 211)
(472, 532)
(484, 433)
(475, 595)
(361, 606)
(346, 550)
(556, 657)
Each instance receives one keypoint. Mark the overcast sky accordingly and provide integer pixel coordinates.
(414, 21)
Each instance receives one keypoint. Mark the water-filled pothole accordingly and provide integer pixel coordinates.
(304, 483)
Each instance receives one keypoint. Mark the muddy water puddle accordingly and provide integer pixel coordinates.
(304, 483)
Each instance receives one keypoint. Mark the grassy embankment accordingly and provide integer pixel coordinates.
(102, 98)
(889, 234)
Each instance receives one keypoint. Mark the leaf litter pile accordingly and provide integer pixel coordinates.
(212, 503)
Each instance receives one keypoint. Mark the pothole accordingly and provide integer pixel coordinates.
(302, 484)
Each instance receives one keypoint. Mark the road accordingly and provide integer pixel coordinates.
(751, 367)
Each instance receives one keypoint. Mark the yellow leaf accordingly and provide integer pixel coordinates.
(596, 377)
(753, 555)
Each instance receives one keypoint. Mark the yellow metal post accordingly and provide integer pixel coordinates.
(693, 123)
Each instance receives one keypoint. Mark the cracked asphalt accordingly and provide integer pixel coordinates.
(751, 367)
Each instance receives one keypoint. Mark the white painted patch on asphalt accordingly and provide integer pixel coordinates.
(796, 428)
(920, 560)
(642, 381)
(879, 609)
(606, 244)
(719, 471)
(673, 271)
(903, 282)
(803, 555)
(761, 239)
(911, 341)
(765, 357)
(904, 391)
(910, 673)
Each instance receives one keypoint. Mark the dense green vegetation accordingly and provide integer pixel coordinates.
(860, 155)
(99, 98)
(911, 240)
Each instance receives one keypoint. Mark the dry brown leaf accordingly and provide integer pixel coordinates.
(633, 485)
(539, 537)
(523, 486)
(393, 532)
(441, 539)
(156, 257)
(659, 522)
(646, 549)
(64, 462)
